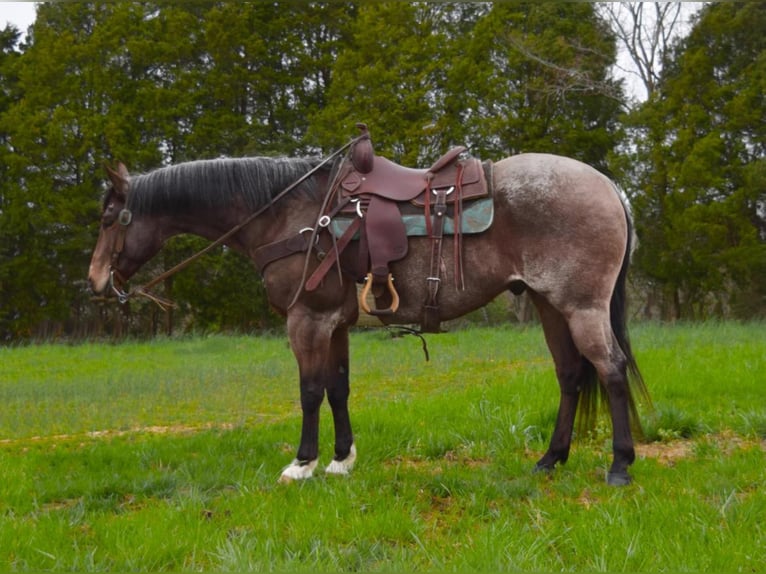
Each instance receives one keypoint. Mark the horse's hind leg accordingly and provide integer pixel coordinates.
(337, 395)
(571, 370)
(592, 333)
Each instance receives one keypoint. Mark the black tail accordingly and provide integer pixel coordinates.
(592, 394)
(618, 312)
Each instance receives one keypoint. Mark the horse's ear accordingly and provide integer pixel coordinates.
(119, 178)
(123, 171)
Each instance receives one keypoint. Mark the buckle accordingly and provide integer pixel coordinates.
(125, 217)
(310, 230)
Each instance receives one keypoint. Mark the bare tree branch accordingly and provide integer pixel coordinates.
(646, 31)
(567, 79)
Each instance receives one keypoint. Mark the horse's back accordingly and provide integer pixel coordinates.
(555, 181)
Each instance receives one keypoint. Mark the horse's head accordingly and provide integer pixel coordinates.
(125, 242)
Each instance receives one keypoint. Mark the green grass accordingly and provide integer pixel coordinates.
(165, 456)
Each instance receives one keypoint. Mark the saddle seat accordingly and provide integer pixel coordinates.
(396, 182)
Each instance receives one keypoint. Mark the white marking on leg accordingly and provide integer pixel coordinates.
(343, 466)
(298, 471)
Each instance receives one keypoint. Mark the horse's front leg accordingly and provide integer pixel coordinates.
(337, 394)
(321, 350)
(310, 343)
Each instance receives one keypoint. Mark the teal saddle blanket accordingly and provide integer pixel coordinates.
(476, 217)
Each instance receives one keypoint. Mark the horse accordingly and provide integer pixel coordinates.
(561, 232)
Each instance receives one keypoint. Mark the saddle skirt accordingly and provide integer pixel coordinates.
(476, 217)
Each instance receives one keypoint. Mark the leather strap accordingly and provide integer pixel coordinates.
(458, 233)
(278, 249)
(119, 243)
(324, 266)
(431, 318)
(298, 243)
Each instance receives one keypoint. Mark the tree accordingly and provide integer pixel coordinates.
(389, 76)
(502, 78)
(44, 190)
(147, 84)
(646, 31)
(150, 83)
(700, 205)
(11, 207)
(535, 77)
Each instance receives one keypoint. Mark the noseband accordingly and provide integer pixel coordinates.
(116, 280)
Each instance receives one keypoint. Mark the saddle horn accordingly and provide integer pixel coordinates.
(362, 154)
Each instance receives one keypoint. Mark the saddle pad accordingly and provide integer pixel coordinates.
(476, 217)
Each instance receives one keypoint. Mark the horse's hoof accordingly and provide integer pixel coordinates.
(542, 468)
(621, 478)
(298, 471)
(342, 466)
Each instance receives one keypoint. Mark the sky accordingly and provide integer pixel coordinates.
(20, 14)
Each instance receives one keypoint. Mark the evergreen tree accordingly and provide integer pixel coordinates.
(50, 141)
(391, 77)
(13, 227)
(153, 83)
(535, 78)
(502, 78)
(147, 84)
(700, 203)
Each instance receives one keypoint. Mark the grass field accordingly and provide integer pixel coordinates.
(165, 456)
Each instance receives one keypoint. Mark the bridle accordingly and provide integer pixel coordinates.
(125, 218)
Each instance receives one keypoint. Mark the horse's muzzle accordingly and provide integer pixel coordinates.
(112, 288)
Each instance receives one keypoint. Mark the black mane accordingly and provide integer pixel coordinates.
(209, 184)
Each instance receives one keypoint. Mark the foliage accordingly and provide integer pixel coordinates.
(153, 83)
(535, 78)
(391, 75)
(146, 84)
(701, 151)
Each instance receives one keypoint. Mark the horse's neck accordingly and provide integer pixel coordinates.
(209, 224)
(288, 217)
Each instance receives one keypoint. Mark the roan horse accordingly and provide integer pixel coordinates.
(561, 232)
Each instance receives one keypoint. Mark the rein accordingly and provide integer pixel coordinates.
(125, 219)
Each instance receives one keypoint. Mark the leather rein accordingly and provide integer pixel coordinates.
(125, 218)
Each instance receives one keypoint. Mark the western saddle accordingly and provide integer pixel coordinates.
(374, 192)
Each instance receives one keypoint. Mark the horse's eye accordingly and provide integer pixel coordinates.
(108, 217)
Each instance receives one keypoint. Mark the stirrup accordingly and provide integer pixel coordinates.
(391, 289)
